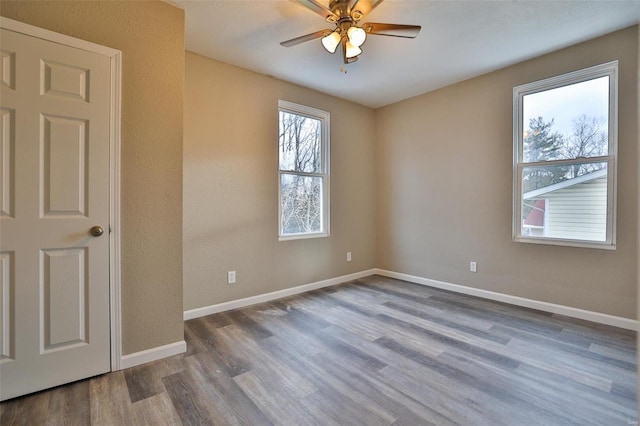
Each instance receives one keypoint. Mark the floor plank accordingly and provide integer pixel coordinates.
(374, 351)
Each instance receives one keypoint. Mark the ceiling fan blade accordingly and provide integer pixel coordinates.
(304, 38)
(364, 6)
(319, 9)
(392, 30)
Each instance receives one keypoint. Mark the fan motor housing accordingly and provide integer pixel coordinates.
(341, 9)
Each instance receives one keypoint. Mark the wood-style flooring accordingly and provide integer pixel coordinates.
(374, 351)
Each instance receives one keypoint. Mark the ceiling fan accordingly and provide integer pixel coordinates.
(346, 15)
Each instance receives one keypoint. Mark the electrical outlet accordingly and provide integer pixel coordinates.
(473, 266)
(231, 277)
(348, 256)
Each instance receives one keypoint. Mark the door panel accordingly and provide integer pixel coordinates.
(63, 292)
(7, 166)
(7, 69)
(65, 80)
(7, 300)
(64, 178)
(54, 274)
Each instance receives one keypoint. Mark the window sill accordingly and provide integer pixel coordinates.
(604, 245)
(303, 236)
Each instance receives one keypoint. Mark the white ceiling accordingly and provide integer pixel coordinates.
(459, 40)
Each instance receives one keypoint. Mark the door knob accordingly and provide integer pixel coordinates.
(96, 231)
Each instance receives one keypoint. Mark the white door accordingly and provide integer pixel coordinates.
(54, 187)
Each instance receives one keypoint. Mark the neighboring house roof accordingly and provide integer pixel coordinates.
(564, 184)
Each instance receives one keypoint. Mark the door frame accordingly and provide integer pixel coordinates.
(115, 57)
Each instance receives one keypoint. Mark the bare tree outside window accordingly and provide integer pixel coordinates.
(589, 138)
(542, 142)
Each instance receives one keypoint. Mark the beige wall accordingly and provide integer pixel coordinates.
(231, 192)
(151, 37)
(444, 176)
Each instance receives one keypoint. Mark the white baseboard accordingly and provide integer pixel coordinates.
(569, 311)
(266, 297)
(152, 354)
(597, 317)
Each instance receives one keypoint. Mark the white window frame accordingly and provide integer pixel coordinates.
(609, 69)
(324, 118)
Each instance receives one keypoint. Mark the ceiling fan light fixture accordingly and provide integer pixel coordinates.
(356, 36)
(331, 41)
(351, 50)
(348, 32)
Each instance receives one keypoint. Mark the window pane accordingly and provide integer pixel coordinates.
(300, 143)
(301, 204)
(565, 201)
(567, 122)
